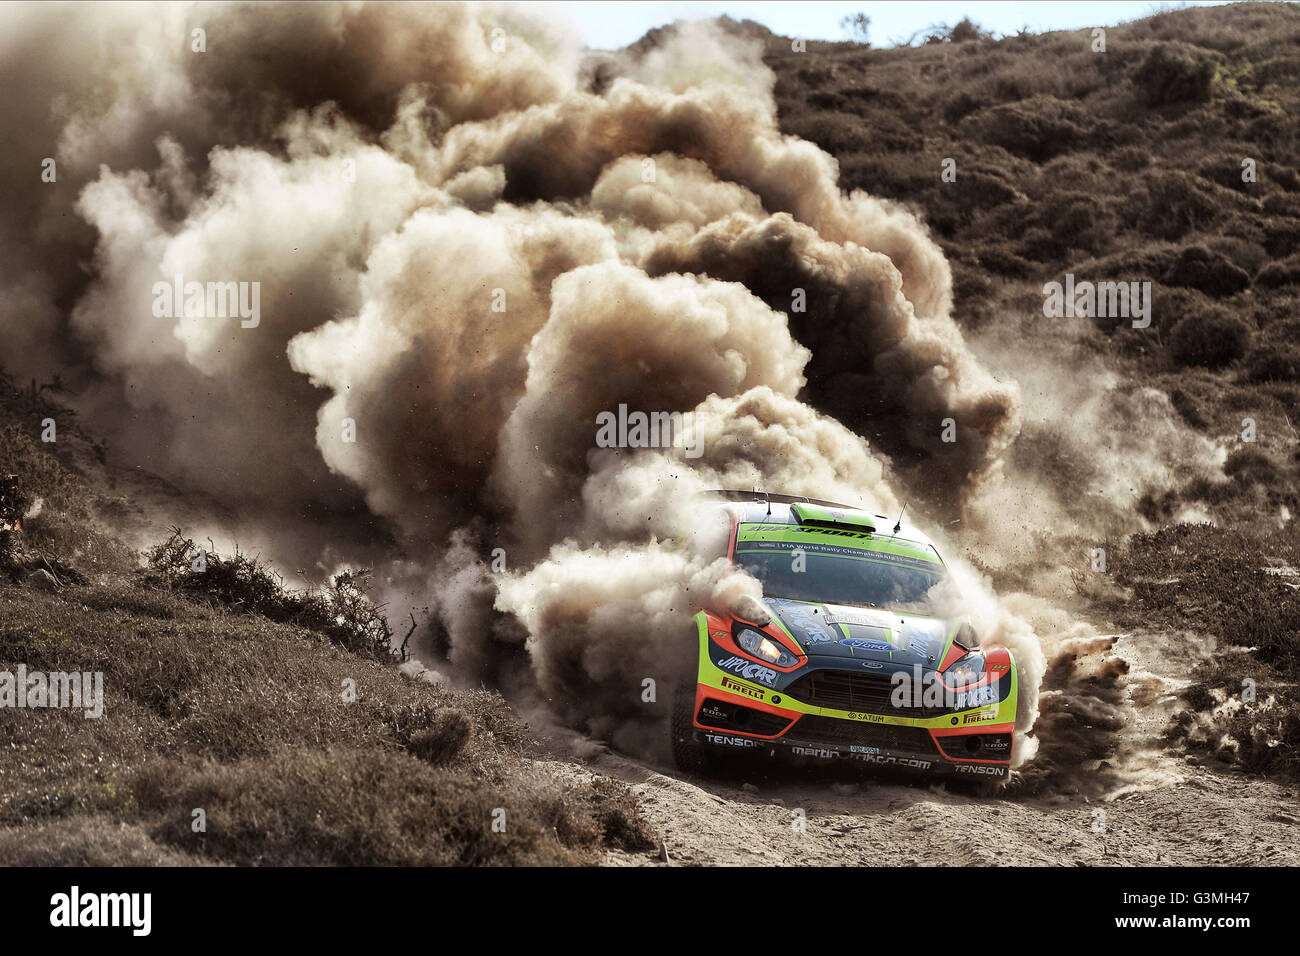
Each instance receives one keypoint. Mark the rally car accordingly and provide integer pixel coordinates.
(843, 659)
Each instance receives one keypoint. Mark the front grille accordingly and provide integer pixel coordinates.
(851, 690)
(727, 716)
(834, 730)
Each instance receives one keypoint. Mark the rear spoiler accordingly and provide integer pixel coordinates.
(762, 496)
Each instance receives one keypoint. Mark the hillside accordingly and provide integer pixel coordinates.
(281, 715)
(292, 721)
(1123, 165)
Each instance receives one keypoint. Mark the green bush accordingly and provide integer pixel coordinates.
(63, 526)
(1277, 274)
(1037, 128)
(1281, 236)
(1211, 339)
(1242, 253)
(1276, 362)
(443, 739)
(1252, 466)
(1224, 169)
(1175, 73)
(341, 610)
(1210, 272)
(1177, 203)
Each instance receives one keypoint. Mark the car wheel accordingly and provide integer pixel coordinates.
(689, 755)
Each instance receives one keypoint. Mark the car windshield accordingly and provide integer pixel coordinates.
(868, 578)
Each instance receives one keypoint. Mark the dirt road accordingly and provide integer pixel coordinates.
(1171, 810)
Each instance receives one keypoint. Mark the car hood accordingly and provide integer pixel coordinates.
(828, 631)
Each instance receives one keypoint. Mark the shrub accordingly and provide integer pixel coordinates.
(837, 133)
(1279, 69)
(1282, 204)
(1281, 235)
(61, 525)
(1210, 272)
(1177, 203)
(1175, 73)
(1223, 583)
(961, 106)
(1243, 253)
(443, 739)
(1252, 466)
(1224, 169)
(1037, 128)
(1278, 362)
(1003, 261)
(978, 190)
(340, 611)
(1213, 339)
(964, 31)
(826, 100)
(1276, 274)
(1188, 408)
(1079, 221)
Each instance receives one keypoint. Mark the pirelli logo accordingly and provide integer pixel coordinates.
(739, 688)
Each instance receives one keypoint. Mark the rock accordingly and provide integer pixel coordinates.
(663, 852)
(42, 580)
(749, 788)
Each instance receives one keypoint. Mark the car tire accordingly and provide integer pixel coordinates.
(689, 755)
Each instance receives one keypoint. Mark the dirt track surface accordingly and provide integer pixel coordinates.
(1171, 810)
(1207, 819)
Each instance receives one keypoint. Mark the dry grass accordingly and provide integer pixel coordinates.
(1217, 581)
(280, 714)
(247, 720)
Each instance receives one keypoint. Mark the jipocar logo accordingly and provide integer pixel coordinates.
(976, 698)
(749, 670)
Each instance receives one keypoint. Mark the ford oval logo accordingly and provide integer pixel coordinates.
(872, 664)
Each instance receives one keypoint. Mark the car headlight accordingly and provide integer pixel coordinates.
(969, 670)
(764, 648)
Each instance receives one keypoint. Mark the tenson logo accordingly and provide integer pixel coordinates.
(74, 909)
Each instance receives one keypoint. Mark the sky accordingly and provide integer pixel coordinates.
(608, 24)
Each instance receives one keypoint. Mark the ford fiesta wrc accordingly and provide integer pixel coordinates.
(844, 658)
